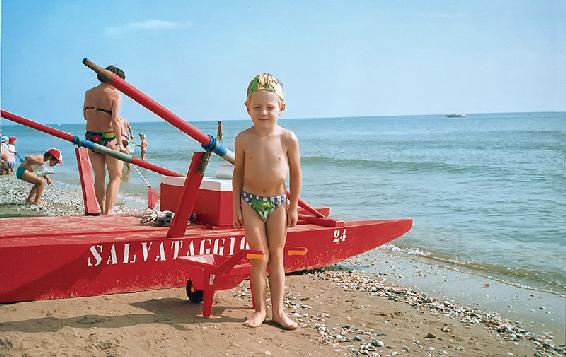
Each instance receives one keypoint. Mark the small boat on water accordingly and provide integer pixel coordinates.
(453, 115)
(62, 257)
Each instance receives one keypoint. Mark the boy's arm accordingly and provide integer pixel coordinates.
(294, 179)
(238, 181)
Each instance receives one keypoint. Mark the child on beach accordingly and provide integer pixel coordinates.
(265, 154)
(31, 170)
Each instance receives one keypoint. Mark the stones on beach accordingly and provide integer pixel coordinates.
(58, 199)
(376, 286)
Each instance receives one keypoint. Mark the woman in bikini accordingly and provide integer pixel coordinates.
(101, 111)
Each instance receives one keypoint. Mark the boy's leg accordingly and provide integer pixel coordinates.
(276, 236)
(32, 195)
(99, 168)
(255, 236)
(38, 185)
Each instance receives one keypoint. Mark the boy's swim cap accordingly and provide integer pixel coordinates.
(268, 82)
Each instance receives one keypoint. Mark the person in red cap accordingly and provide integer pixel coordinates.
(34, 171)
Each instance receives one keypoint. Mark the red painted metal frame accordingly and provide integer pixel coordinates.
(188, 198)
(87, 183)
(213, 272)
(50, 258)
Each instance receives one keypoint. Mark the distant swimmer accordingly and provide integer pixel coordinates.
(143, 146)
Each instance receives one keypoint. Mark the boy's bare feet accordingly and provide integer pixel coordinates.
(285, 322)
(29, 202)
(255, 319)
(38, 202)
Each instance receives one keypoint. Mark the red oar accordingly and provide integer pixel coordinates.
(88, 144)
(208, 142)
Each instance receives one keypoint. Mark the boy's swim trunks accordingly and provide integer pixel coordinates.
(264, 206)
(20, 171)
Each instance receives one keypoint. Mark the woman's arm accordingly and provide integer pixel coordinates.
(84, 106)
(116, 121)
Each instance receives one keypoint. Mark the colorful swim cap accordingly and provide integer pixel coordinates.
(268, 82)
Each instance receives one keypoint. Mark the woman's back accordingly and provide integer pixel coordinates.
(98, 107)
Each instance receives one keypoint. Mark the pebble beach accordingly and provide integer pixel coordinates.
(342, 310)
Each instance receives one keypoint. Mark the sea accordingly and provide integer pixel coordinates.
(487, 192)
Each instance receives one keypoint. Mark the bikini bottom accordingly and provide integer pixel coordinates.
(101, 138)
(264, 206)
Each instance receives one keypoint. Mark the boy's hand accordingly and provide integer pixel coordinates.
(47, 180)
(292, 217)
(238, 219)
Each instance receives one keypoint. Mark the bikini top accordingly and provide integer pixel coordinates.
(109, 112)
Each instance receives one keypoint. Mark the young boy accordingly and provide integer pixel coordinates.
(265, 154)
(31, 170)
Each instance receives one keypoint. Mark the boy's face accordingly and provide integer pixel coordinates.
(264, 108)
(52, 161)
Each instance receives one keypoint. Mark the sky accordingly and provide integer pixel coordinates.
(335, 58)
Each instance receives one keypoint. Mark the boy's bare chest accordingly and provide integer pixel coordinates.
(271, 151)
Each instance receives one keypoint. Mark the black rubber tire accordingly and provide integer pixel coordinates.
(195, 296)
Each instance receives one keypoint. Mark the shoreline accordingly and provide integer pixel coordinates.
(540, 312)
(431, 296)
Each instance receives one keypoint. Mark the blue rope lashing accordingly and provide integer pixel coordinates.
(77, 141)
(211, 145)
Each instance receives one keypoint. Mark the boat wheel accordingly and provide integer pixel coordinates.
(195, 296)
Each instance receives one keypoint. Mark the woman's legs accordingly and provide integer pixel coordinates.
(115, 168)
(99, 167)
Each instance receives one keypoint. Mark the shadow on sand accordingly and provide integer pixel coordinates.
(170, 311)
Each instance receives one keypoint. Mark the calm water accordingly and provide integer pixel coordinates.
(487, 192)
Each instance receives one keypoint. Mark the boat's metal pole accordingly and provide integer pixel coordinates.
(88, 144)
(208, 142)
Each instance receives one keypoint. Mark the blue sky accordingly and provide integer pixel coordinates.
(335, 58)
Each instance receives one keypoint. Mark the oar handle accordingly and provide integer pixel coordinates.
(103, 72)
